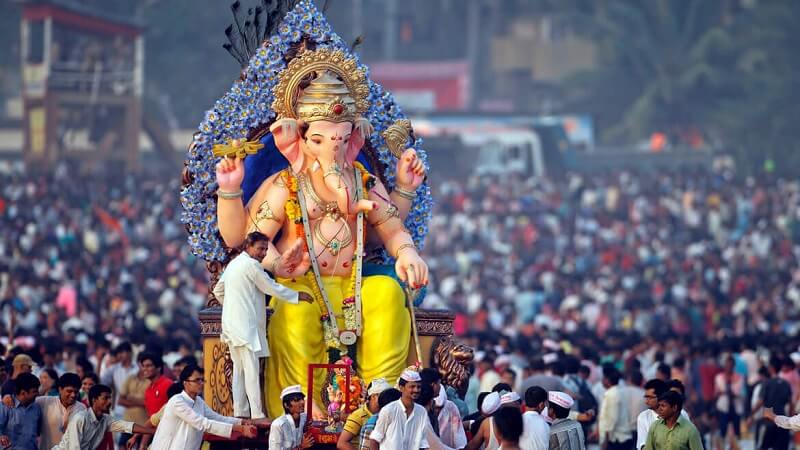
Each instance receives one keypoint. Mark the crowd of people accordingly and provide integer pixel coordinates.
(676, 275)
(689, 276)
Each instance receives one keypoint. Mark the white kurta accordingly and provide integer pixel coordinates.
(55, 418)
(535, 432)
(789, 423)
(241, 290)
(284, 435)
(451, 428)
(395, 431)
(185, 420)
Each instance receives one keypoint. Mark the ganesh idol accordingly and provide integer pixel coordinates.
(321, 213)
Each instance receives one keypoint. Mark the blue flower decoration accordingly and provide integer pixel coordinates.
(247, 105)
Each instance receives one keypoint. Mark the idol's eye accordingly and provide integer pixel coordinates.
(316, 141)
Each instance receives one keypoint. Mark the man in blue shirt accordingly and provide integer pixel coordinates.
(19, 426)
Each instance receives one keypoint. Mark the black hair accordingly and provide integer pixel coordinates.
(69, 379)
(612, 376)
(96, 391)
(187, 372)
(123, 347)
(254, 238)
(289, 398)
(509, 423)
(557, 367)
(537, 365)
(558, 410)
(93, 376)
(500, 387)
(188, 360)
(572, 364)
(152, 356)
(174, 389)
(430, 376)
(776, 363)
(677, 384)
(26, 382)
(664, 369)
(658, 386)
(672, 398)
(388, 396)
(481, 396)
(635, 377)
(535, 395)
(51, 373)
(585, 369)
(425, 395)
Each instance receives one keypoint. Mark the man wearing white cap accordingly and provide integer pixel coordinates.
(486, 436)
(565, 433)
(402, 423)
(286, 432)
(349, 438)
(451, 427)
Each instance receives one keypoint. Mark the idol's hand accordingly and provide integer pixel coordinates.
(410, 171)
(411, 268)
(294, 262)
(230, 173)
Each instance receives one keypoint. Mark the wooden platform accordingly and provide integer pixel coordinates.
(431, 325)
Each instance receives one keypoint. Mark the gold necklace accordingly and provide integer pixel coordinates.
(330, 209)
(334, 244)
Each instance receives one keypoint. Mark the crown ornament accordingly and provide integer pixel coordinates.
(337, 92)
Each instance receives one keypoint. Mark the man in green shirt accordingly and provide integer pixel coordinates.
(672, 431)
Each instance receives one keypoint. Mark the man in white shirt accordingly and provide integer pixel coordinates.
(535, 430)
(241, 290)
(613, 423)
(86, 428)
(451, 428)
(402, 424)
(56, 411)
(286, 432)
(652, 390)
(186, 417)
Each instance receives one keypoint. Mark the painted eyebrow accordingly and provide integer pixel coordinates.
(317, 134)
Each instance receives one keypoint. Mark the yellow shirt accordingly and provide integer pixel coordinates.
(355, 421)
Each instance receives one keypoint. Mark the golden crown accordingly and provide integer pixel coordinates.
(337, 93)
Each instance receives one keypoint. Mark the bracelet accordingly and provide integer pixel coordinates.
(408, 195)
(230, 195)
(333, 170)
(403, 247)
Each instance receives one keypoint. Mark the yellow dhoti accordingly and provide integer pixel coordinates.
(296, 338)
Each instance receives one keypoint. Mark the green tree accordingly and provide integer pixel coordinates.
(655, 69)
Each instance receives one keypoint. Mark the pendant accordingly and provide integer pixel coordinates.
(347, 337)
(334, 246)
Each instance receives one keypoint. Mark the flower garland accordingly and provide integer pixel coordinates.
(294, 214)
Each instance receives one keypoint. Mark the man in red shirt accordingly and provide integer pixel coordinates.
(155, 396)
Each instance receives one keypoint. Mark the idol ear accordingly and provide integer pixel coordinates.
(362, 129)
(287, 138)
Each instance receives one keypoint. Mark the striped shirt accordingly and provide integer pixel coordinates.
(566, 434)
